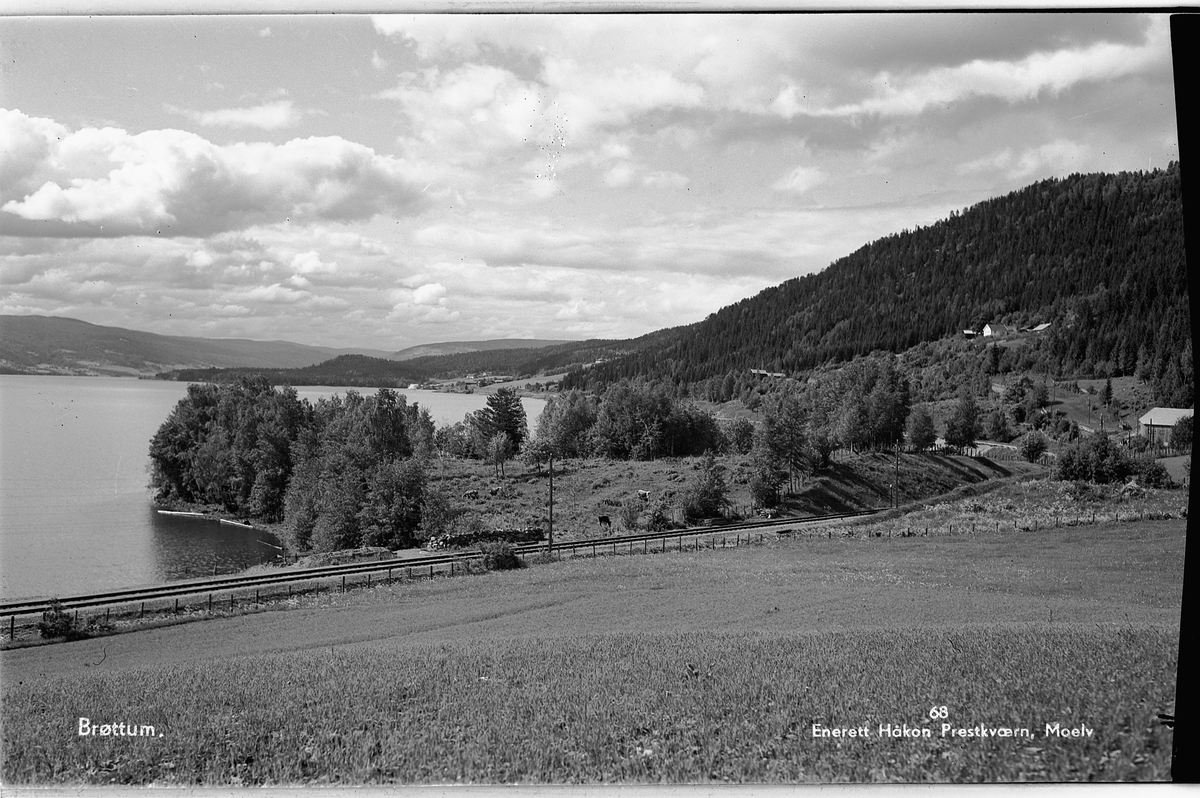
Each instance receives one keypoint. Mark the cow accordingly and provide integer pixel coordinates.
(644, 495)
(605, 522)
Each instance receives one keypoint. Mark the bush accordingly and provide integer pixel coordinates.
(1032, 446)
(628, 513)
(500, 557)
(1152, 474)
(1094, 459)
(57, 622)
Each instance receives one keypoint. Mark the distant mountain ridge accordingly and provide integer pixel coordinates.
(61, 345)
(464, 347)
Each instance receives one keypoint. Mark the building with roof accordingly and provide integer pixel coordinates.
(1159, 422)
(995, 329)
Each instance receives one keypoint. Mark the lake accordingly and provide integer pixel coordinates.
(76, 514)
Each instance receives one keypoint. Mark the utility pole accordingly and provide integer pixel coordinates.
(896, 480)
(550, 545)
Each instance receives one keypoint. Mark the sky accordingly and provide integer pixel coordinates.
(385, 181)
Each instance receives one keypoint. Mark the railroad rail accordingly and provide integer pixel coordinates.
(430, 564)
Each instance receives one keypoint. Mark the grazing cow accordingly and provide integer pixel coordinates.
(644, 495)
(605, 523)
(470, 494)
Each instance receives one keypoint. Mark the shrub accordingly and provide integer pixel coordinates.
(628, 513)
(1094, 459)
(1151, 473)
(57, 622)
(1032, 446)
(500, 557)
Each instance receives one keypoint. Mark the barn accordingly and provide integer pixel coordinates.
(1159, 422)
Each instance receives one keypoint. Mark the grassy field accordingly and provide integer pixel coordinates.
(705, 666)
(687, 707)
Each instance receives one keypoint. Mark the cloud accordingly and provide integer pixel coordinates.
(265, 32)
(310, 263)
(429, 294)
(1059, 157)
(108, 182)
(800, 180)
(269, 116)
(376, 61)
(1051, 71)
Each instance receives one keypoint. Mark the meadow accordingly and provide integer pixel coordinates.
(698, 667)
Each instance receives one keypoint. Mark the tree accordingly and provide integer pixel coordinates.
(1032, 446)
(391, 510)
(500, 450)
(705, 497)
(785, 433)
(1181, 436)
(565, 422)
(922, 434)
(1106, 395)
(741, 435)
(766, 475)
(997, 428)
(504, 414)
(963, 426)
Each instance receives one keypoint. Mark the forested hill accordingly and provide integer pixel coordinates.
(1100, 255)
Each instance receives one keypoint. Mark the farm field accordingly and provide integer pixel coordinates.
(704, 666)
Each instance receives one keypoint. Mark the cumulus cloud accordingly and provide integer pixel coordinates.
(268, 116)
(108, 182)
(311, 263)
(429, 294)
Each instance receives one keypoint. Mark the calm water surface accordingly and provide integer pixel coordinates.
(75, 511)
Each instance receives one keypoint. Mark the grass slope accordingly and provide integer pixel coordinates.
(587, 489)
(694, 667)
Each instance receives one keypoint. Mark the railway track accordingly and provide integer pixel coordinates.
(430, 564)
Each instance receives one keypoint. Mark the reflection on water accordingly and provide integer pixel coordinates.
(186, 548)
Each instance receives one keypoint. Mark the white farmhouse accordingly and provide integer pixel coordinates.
(995, 329)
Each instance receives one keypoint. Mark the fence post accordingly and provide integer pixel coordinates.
(343, 583)
(1035, 525)
(106, 611)
(12, 627)
(256, 595)
(210, 602)
(142, 613)
(431, 572)
(645, 546)
(176, 606)
(231, 602)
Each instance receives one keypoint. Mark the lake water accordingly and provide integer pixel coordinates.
(76, 514)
